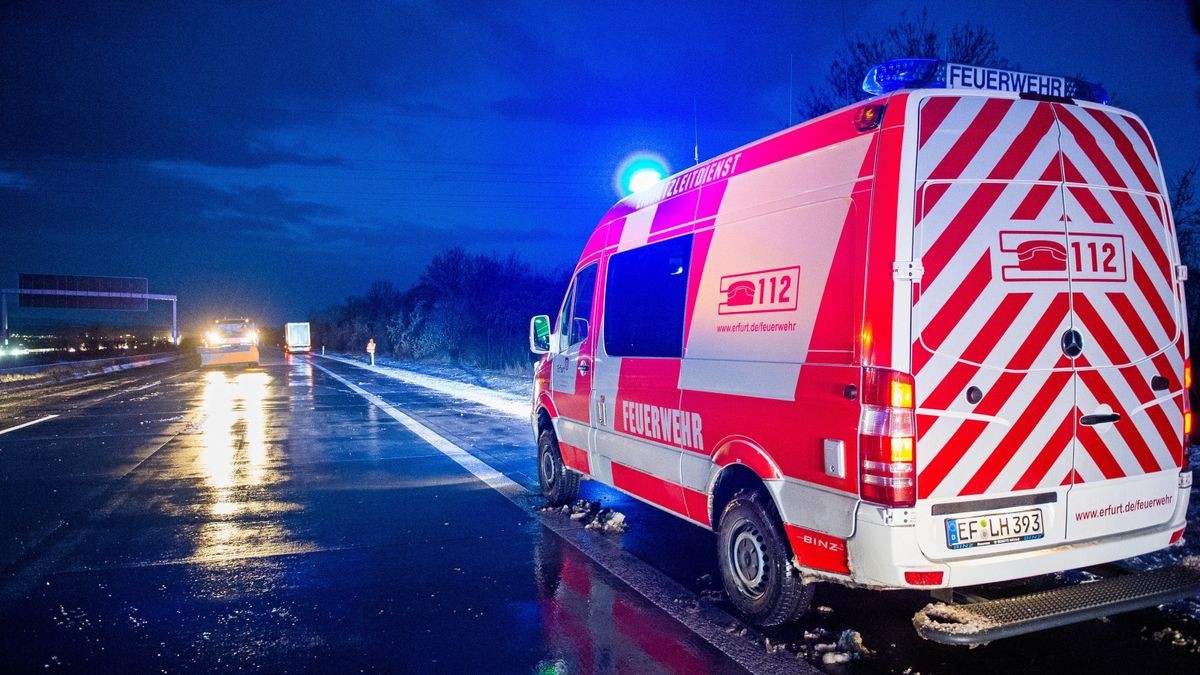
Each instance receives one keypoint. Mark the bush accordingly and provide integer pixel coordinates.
(471, 310)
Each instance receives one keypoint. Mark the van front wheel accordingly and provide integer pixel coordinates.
(754, 558)
(559, 484)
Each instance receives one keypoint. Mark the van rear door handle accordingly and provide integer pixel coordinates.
(584, 367)
(1093, 420)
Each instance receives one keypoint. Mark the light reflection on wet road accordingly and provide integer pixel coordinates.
(269, 519)
(234, 455)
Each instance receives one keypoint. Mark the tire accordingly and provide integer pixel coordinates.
(755, 561)
(559, 484)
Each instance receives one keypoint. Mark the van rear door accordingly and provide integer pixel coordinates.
(995, 394)
(1036, 409)
(1125, 308)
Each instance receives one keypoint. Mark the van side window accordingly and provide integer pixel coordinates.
(564, 315)
(581, 312)
(645, 296)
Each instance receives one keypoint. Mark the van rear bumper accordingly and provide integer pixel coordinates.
(884, 547)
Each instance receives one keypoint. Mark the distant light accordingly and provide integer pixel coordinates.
(638, 172)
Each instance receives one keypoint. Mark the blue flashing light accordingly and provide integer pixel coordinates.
(901, 74)
(638, 172)
(644, 178)
(898, 74)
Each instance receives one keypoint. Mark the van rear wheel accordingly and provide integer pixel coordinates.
(755, 562)
(559, 484)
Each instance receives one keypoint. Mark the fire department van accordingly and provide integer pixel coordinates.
(931, 340)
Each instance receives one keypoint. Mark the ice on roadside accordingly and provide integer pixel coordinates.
(848, 647)
(611, 522)
(592, 516)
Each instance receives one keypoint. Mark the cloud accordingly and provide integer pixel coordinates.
(658, 62)
(306, 148)
(96, 206)
(206, 83)
(13, 181)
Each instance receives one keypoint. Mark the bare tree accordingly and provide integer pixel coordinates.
(1185, 207)
(910, 37)
(468, 309)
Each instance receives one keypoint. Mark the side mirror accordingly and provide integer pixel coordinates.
(539, 334)
(579, 330)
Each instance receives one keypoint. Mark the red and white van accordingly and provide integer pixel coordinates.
(931, 340)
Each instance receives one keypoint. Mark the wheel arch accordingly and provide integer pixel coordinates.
(546, 412)
(545, 420)
(729, 481)
(739, 464)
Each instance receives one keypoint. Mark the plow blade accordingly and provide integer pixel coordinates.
(229, 356)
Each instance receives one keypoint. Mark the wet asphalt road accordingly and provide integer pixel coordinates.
(272, 519)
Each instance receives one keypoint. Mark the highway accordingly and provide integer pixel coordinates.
(312, 516)
(171, 518)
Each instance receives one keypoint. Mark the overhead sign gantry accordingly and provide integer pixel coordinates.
(65, 291)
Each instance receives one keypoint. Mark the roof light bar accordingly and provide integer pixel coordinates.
(934, 74)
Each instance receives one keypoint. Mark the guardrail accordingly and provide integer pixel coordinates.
(94, 366)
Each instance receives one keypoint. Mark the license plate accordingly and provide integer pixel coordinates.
(994, 528)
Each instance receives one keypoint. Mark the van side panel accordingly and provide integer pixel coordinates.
(770, 371)
(770, 330)
(886, 304)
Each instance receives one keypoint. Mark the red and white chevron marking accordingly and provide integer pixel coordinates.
(1064, 178)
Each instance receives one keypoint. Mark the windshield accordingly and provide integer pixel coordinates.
(234, 329)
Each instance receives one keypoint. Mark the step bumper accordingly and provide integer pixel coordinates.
(978, 623)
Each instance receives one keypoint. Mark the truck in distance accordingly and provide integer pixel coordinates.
(297, 338)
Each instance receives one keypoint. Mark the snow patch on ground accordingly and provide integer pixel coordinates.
(1175, 638)
(953, 619)
(483, 393)
(592, 516)
(175, 418)
(848, 647)
(822, 647)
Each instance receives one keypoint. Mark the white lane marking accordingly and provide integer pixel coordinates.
(27, 424)
(493, 478)
(509, 404)
(710, 623)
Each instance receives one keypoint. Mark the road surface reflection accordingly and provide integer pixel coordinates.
(593, 624)
(240, 472)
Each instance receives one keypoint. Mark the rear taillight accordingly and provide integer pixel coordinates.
(1187, 408)
(887, 438)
